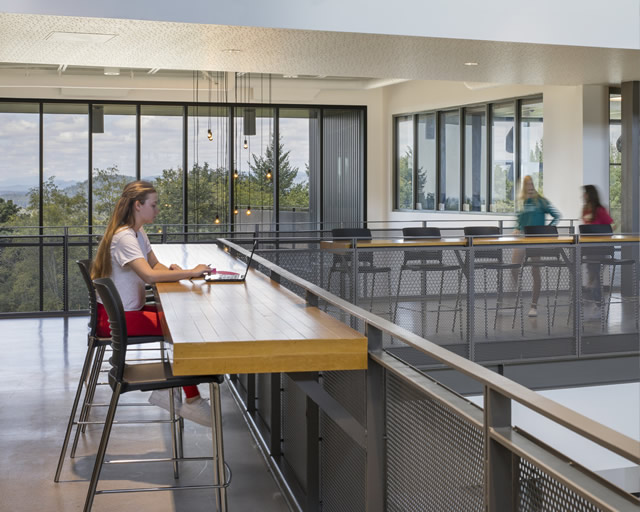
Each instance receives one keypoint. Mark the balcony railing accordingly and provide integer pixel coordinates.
(392, 438)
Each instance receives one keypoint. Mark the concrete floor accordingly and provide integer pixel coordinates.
(42, 360)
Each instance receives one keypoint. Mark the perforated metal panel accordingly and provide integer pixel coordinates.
(539, 492)
(342, 471)
(348, 388)
(434, 458)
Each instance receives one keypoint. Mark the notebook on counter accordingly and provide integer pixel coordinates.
(231, 277)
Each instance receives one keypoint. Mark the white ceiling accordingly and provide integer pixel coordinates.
(142, 45)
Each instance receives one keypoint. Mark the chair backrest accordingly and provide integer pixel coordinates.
(358, 233)
(481, 231)
(540, 230)
(600, 251)
(592, 229)
(117, 322)
(85, 271)
(421, 232)
(495, 254)
(539, 252)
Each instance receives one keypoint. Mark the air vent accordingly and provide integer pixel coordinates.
(79, 37)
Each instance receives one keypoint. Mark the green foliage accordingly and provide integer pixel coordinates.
(405, 179)
(502, 190)
(107, 187)
(8, 210)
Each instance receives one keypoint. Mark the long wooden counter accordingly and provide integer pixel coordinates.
(253, 327)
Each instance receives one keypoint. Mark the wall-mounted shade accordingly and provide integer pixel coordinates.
(97, 119)
(249, 124)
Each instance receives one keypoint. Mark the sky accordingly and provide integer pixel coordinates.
(66, 145)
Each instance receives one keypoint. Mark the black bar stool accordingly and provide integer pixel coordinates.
(425, 261)
(124, 378)
(90, 373)
(342, 262)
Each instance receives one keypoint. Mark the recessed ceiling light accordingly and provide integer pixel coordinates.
(470, 63)
(112, 71)
(79, 37)
(289, 76)
(231, 50)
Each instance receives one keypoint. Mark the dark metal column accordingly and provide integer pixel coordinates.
(375, 484)
(499, 495)
(630, 176)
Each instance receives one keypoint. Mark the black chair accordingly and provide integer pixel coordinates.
(599, 257)
(545, 257)
(425, 261)
(488, 260)
(342, 263)
(91, 368)
(124, 378)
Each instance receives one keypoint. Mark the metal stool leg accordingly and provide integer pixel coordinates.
(88, 359)
(102, 449)
(395, 311)
(440, 300)
(218, 446)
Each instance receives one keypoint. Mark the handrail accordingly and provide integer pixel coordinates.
(590, 429)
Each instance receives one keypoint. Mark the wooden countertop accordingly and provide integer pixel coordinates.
(252, 327)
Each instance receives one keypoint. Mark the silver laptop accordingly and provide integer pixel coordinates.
(232, 278)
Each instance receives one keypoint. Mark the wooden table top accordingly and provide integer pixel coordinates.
(253, 327)
(398, 242)
(609, 238)
(522, 240)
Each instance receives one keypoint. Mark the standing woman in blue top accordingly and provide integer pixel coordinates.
(533, 211)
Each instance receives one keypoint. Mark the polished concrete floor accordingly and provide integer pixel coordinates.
(42, 360)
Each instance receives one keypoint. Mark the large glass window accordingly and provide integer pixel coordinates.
(208, 176)
(113, 135)
(66, 159)
(254, 159)
(449, 198)
(475, 159)
(615, 158)
(531, 142)
(427, 150)
(298, 168)
(161, 151)
(19, 196)
(503, 174)
(404, 161)
(19, 165)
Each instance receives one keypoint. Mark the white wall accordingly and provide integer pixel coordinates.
(564, 22)
(595, 115)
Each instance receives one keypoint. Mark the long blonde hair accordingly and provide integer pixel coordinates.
(522, 197)
(123, 215)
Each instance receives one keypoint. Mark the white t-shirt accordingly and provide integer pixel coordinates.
(126, 246)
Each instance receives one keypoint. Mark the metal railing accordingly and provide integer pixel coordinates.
(392, 438)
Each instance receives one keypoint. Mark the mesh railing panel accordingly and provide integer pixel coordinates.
(434, 458)
(342, 469)
(349, 389)
(539, 492)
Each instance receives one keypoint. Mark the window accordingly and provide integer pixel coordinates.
(503, 174)
(479, 151)
(161, 153)
(65, 156)
(113, 134)
(404, 160)
(449, 198)
(531, 142)
(475, 160)
(426, 182)
(299, 168)
(615, 157)
(208, 169)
